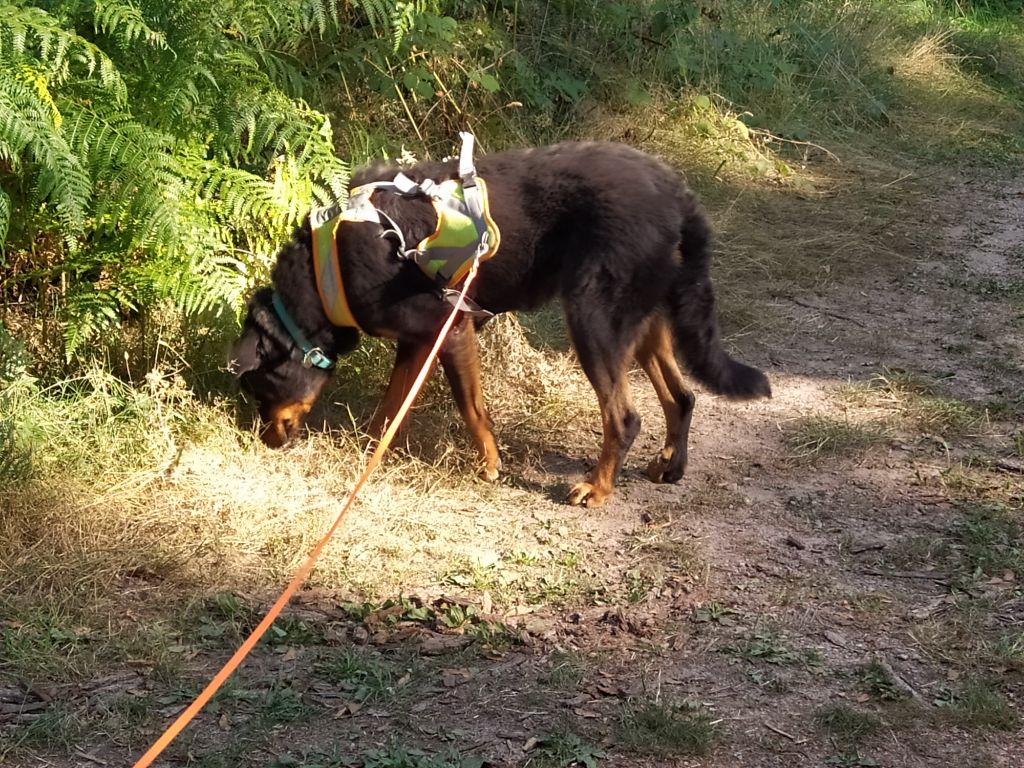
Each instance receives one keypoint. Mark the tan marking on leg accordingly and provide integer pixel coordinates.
(617, 417)
(657, 357)
(461, 362)
(409, 359)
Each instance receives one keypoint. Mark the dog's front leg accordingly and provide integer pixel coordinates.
(409, 358)
(461, 363)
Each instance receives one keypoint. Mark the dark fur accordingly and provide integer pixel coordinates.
(610, 231)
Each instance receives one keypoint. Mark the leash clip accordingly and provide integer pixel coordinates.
(467, 306)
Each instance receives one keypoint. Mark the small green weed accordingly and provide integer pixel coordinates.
(396, 756)
(991, 540)
(289, 630)
(59, 727)
(363, 673)
(46, 644)
(564, 749)
(771, 648)
(660, 728)
(284, 704)
(918, 551)
(876, 680)
(716, 613)
(1008, 651)
(846, 724)
(638, 585)
(568, 670)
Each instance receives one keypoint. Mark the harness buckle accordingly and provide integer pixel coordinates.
(314, 357)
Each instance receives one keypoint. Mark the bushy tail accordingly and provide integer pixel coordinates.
(695, 326)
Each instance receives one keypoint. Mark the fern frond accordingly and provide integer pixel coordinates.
(27, 128)
(89, 314)
(378, 13)
(124, 22)
(136, 170)
(28, 32)
(242, 197)
(5, 216)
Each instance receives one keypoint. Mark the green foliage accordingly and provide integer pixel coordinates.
(168, 150)
(154, 151)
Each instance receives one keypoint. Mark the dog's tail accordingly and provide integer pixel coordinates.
(695, 326)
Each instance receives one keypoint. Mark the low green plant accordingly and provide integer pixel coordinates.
(977, 703)
(657, 727)
(363, 674)
(397, 756)
(847, 724)
(772, 648)
(876, 680)
(565, 749)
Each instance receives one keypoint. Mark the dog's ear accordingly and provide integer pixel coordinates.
(245, 354)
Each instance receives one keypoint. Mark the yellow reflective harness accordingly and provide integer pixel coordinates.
(464, 231)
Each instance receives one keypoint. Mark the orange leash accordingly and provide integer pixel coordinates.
(232, 664)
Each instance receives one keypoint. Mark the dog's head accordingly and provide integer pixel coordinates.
(265, 360)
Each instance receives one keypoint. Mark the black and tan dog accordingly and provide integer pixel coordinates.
(613, 233)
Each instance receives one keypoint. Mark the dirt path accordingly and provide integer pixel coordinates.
(835, 583)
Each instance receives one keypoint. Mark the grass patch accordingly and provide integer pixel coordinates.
(991, 540)
(654, 727)
(907, 401)
(284, 704)
(919, 551)
(772, 648)
(58, 727)
(817, 437)
(567, 671)
(978, 703)
(365, 674)
(846, 724)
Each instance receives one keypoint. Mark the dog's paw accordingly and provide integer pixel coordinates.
(666, 467)
(587, 495)
(490, 473)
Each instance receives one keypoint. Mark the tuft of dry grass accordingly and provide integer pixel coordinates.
(813, 437)
(909, 402)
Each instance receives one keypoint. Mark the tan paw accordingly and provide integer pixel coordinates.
(490, 473)
(587, 495)
(656, 469)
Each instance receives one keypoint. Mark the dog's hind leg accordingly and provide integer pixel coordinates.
(603, 357)
(409, 358)
(461, 363)
(655, 354)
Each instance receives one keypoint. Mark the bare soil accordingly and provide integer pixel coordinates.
(757, 591)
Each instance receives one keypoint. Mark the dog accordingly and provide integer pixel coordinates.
(612, 232)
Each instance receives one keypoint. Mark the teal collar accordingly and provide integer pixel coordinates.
(311, 356)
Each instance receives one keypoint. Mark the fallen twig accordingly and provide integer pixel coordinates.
(919, 575)
(830, 312)
(781, 732)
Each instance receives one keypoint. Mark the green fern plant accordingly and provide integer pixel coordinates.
(170, 149)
